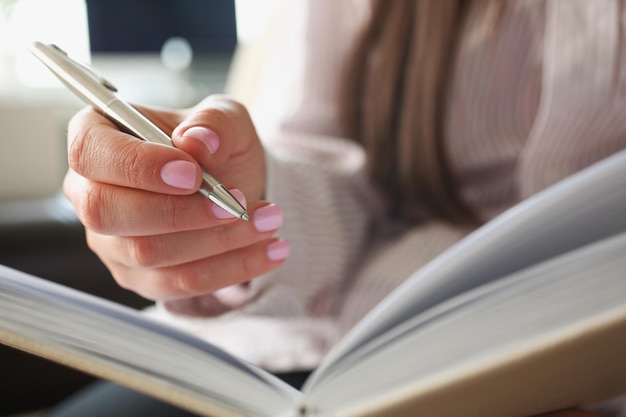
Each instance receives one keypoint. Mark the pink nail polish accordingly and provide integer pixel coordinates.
(278, 250)
(268, 218)
(205, 135)
(220, 213)
(179, 174)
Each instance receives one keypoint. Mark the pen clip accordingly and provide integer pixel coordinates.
(86, 68)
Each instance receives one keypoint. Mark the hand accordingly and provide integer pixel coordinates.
(143, 217)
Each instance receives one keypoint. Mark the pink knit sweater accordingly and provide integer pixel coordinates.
(538, 98)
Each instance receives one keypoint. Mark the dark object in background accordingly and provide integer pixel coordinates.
(144, 25)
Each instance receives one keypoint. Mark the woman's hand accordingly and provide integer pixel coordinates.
(142, 214)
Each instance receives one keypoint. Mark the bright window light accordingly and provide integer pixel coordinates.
(252, 17)
(63, 22)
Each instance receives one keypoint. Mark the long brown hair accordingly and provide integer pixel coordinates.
(394, 103)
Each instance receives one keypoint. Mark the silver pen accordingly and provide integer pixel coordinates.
(94, 89)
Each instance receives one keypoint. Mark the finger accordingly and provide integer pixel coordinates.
(183, 247)
(99, 151)
(113, 210)
(220, 135)
(206, 305)
(119, 211)
(206, 275)
(212, 304)
(208, 123)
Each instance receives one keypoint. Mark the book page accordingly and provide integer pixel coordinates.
(118, 343)
(580, 209)
(567, 313)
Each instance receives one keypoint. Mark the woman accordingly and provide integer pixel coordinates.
(389, 130)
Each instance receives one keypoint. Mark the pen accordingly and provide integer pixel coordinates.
(94, 89)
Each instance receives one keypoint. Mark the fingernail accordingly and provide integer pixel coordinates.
(205, 135)
(179, 174)
(278, 250)
(268, 218)
(220, 213)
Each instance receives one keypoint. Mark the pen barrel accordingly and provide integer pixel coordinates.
(120, 112)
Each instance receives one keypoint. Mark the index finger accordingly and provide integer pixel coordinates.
(98, 150)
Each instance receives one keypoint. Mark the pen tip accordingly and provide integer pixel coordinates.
(245, 216)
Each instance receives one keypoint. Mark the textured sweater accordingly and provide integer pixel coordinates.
(532, 100)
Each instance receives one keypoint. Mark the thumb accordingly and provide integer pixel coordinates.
(220, 135)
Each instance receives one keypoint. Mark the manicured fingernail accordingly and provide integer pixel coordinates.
(205, 135)
(268, 218)
(179, 174)
(278, 250)
(220, 213)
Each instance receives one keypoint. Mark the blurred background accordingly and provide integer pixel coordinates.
(157, 52)
(167, 53)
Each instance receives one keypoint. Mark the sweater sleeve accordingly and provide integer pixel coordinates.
(321, 184)
(581, 114)
(315, 175)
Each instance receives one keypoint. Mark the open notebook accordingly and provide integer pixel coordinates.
(525, 315)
